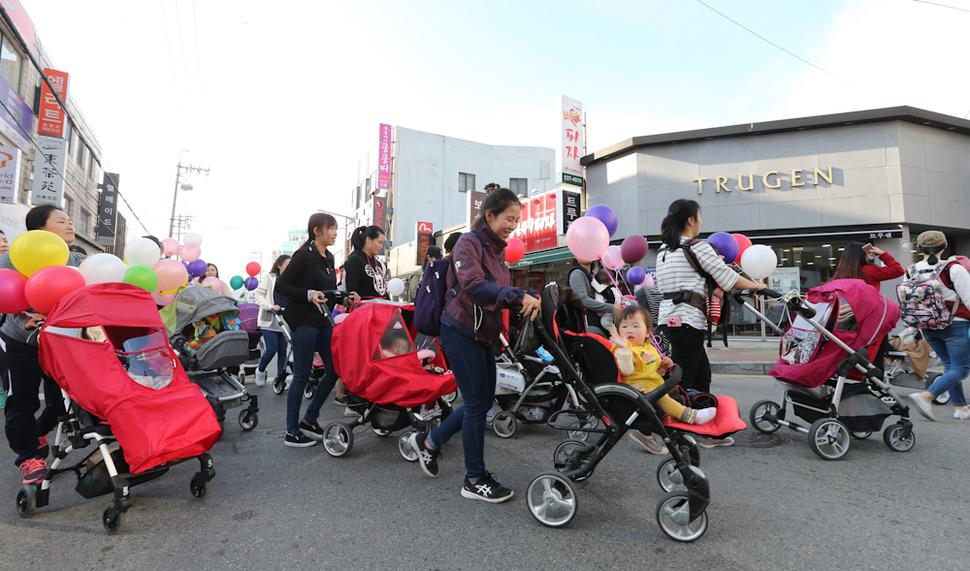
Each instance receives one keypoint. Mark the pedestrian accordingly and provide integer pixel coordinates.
(433, 254)
(470, 327)
(211, 271)
(27, 434)
(580, 279)
(858, 262)
(366, 275)
(450, 242)
(683, 311)
(270, 304)
(4, 244)
(307, 282)
(951, 344)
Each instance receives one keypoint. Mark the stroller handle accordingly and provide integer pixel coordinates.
(739, 294)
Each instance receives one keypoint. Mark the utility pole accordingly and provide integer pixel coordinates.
(185, 186)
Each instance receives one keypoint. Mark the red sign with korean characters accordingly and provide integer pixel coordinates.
(51, 116)
(424, 232)
(537, 224)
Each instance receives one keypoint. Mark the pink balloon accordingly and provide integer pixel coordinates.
(612, 259)
(163, 299)
(190, 252)
(12, 296)
(171, 274)
(170, 246)
(587, 238)
(212, 282)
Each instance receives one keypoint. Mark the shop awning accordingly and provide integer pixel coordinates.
(543, 257)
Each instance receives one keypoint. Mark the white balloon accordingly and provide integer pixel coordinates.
(142, 252)
(102, 268)
(192, 238)
(759, 261)
(395, 287)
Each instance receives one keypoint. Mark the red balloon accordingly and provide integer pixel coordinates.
(514, 250)
(252, 269)
(12, 297)
(743, 244)
(50, 284)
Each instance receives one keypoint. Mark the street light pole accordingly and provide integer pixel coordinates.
(178, 175)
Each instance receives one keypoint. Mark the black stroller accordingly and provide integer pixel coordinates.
(588, 365)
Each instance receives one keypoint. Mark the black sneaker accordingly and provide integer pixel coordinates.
(299, 440)
(427, 457)
(486, 489)
(312, 430)
(340, 401)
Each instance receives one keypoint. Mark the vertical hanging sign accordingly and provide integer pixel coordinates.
(424, 231)
(9, 174)
(51, 116)
(49, 171)
(573, 142)
(108, 209)
(384, 161)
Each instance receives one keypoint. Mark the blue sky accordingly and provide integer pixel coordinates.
(282, 99)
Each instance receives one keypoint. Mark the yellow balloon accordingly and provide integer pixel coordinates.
(37, 249)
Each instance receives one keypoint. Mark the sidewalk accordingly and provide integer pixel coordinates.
(743, 355)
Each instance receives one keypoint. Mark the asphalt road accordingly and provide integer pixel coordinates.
(774, 505)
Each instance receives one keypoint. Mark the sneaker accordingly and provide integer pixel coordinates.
(428, 457)
(961, 413)
(299, 440)
(708, 442)
(648, 443)
(486, 489)
(43, 448)
(260, 378)
(340, 400)
(35, 470)
(922, 406)
(311, 429)
(351, 413)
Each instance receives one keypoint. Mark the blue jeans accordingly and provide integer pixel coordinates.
(275, 345)
(952, 346)
(474, 368)
(306, 341)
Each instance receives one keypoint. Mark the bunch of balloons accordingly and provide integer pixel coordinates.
(588, 238)
(757, 260)
(251, 282)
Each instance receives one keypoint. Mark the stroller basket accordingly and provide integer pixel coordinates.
(389, 417)
(96, 480)
(227, 349)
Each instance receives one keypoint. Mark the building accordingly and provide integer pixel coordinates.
(806, 187)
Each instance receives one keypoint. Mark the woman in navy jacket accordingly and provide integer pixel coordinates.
(470, 325)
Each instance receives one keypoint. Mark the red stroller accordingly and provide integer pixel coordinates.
(377, 353)
(122, 385)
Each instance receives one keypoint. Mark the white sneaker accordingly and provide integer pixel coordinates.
(260, 378)
(961, 413)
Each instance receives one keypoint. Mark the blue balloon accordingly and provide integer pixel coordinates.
(604, 214)
(726, 244)
(636, 275)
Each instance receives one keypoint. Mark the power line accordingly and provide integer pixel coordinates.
(943, 5)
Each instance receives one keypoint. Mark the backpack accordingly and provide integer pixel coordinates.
(921, 301)
(433, 294)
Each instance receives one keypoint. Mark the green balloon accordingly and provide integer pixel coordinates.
(143, 277)
(236, 282)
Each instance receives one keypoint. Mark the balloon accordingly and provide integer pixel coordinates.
(251, 283)
(50, 284)
(612, 259)
(636, 275)
(252, 269)
(12, 296)
(190, 252)
(164, 299)
(604, 214)
(649, 281)
(171, 274)
(633, 249)
(213, 282)
(726, 244)
(587, 238)
(142, 252)
(514, 250)
(743, 244)
(143, 277)
(395, 286)
(102, 268)
(340, 317)
(193, 238)
(37, 249)
(236, 282)
(758, 261)
(170, 246)
(197, 268)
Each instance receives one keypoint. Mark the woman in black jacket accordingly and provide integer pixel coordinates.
(309, 284)
(365, 273)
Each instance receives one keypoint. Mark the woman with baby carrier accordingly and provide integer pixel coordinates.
(470, 327)
(951, 343)
(686, 269)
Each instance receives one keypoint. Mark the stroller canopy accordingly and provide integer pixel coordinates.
(192, 304)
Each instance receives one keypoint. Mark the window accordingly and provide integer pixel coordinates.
(466, 182)
(519, 186)
(81, 154)
(69, 207)
(10, 63)
(84, 223)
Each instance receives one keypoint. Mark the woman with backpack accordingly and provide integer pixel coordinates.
(685, 267)
(470, 326)
(951, 343)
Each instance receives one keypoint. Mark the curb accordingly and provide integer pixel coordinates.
(742, 368)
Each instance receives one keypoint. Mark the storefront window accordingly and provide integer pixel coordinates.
(10, 62)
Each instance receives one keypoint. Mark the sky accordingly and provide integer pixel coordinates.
(281, 101)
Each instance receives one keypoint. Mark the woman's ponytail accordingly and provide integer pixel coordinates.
(673, 224)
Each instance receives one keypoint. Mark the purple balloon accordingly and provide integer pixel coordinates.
(633, 249)
(197, 268)
(604, 214)
(251, 283)
(636, 275)
(726, 244)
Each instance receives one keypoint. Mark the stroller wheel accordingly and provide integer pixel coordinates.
(862, 435)
(198, 486)
(504, 424)
(111, 520)
(942, 399)
(309, 390)
(894, 439)
(552, 499)
(404, 447)
(566, 458)
(380, 431)
(673, 513)
(279, 385)
(450, 397)
(26, 501)
(248, 420)
(666, 473)
(829, 438)
(338, 439)
(759, 411)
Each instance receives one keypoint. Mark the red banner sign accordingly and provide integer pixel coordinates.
(537, 225)
(51, 115)
(424, 232)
